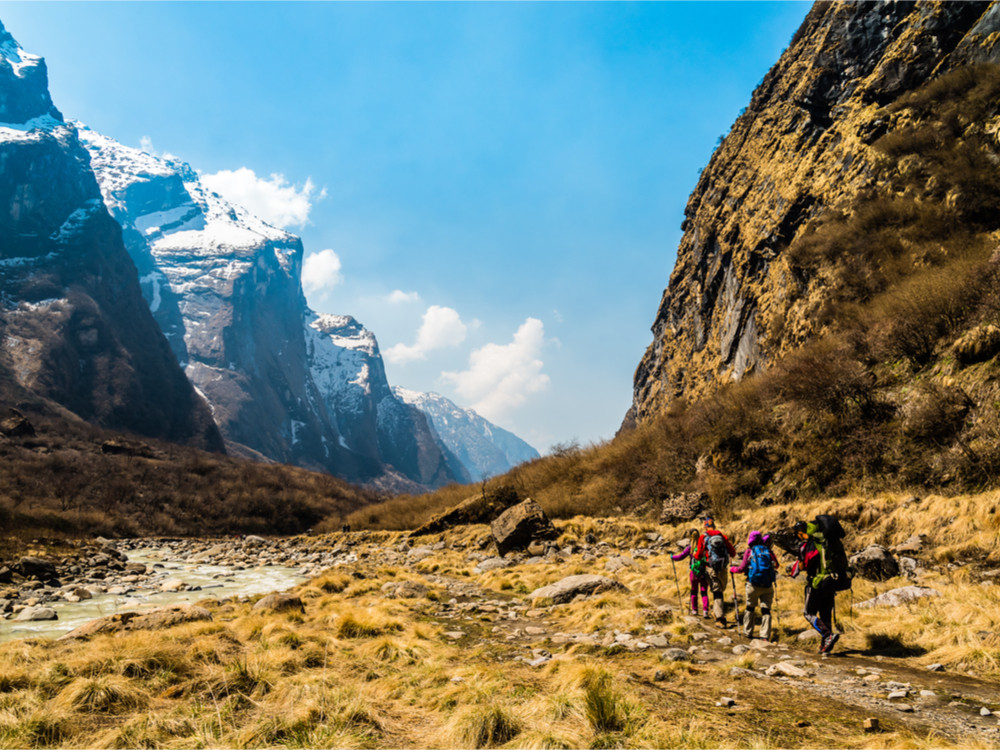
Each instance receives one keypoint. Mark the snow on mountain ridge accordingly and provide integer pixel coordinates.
(484, 449)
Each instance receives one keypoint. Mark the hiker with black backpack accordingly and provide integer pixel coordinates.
(760, 566)
(717, 551)
(698, 576)
(824, 560)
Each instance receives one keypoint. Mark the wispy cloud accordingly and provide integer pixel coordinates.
(146, 144)
(441, 327)
(502, 376)
(274, 199)
(320, 271)
(399, 297)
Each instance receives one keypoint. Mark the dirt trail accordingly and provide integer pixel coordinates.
(928, 703)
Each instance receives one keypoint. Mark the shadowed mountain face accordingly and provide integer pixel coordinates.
(283, 382)
(74, 327)
(804, 146)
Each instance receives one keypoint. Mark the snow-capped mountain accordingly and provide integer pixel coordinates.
(74, 328)
(226, 289)
(483, 448)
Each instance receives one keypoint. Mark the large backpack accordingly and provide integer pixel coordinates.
(761, 571)
(827, 535)
(718, 555)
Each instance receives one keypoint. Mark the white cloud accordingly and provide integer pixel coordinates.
(320, 271)
(398, 297)
(275, 200)
(501, 377)
(441, 327)
(146, 144)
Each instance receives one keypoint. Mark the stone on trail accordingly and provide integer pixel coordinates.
(675, 654)
(898, 597)
(520, 525)
(279, 602)
(871, 725)
(875, 563)
(618, 563)
(564, 590)
(785, 669)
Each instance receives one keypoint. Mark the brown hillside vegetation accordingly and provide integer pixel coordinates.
(72, 479)
(901, 389)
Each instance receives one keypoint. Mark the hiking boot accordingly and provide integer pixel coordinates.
(707, 614)
(694, 613)
(829, 642)
(721, 622)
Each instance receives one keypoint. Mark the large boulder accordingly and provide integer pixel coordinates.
(477, 509)
(684, 506)
(875, 563)
(156, 619)
(37, 568)
(900, 596)
(519, 526)
(35, 614)
(16, 425)
(564, 590)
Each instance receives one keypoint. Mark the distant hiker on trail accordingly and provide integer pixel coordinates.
(698, 576)
(761, 567)
(717, 551)
(823, 558)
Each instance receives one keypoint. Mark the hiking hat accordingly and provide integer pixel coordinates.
(709, 522)
(754, 538)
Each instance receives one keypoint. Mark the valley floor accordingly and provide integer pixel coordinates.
(434, 642)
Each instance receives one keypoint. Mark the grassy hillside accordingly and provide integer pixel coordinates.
(62, 482)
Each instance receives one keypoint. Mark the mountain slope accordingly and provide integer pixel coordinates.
(226, 289)
(74, 326)
(484, 449)
(804, 146)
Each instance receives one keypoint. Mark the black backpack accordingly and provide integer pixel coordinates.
(827, 534)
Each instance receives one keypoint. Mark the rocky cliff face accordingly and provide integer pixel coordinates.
(484, 449)
(283, 382)
(802, 147)
(74, 327)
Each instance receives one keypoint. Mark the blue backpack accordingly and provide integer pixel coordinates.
(761, 571)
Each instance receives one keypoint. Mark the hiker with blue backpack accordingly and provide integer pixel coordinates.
(716, 551)
(761, 567)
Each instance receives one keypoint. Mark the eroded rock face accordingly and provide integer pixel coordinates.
(802, 145)
(76, 330)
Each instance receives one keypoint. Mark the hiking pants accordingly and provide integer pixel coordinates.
(819, 608)
(717, 580)
(764, 595)
(696, 583)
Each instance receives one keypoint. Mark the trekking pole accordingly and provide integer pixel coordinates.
(736, 603)
(680, 598)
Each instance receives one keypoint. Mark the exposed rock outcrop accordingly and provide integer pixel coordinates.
(519, 526)
(803, 145)
(74, 328)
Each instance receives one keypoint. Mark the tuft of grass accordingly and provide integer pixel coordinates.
(603, 706)
(487, 725)
(106, 694)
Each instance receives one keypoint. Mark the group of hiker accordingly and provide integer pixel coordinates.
(819, 553)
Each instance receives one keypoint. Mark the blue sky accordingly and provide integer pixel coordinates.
(494, 189)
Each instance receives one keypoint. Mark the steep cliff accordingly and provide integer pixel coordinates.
(75, 329)
(805, 149)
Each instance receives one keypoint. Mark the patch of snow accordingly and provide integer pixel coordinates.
(32, 130)
(17, 57)
(75, 221)
(154, 280)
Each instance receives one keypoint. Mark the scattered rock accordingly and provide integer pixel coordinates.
(564, 590)
(492, 563)
(659, 676)
(985, 711)
(906, 708)
(726, 702)
(896, 695)
(911, 546)
(898, 597)
(935, 667)
(875, 563)
(871, 725)
(253, 541)
(154, 620)
(279, 603)
(172, 584)
(520, 525)
(35, 567)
